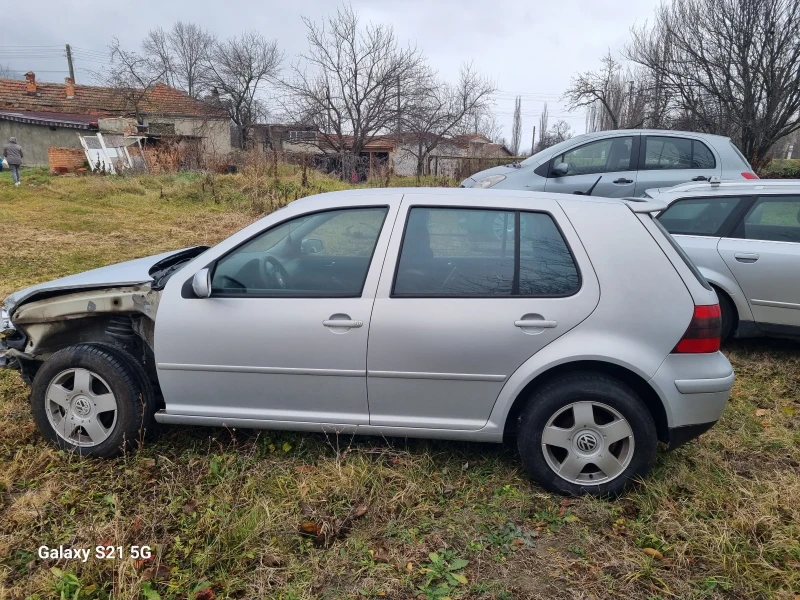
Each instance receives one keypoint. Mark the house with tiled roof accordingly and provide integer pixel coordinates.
(46, 115)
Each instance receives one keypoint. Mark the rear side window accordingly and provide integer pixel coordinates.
(468, 253)
(662, 152)
(546, 265)
(698, 216)
(773, 218)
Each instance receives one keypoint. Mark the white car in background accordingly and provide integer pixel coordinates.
(744, 236)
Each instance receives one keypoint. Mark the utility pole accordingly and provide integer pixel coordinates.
(69, 62)
(533, 141)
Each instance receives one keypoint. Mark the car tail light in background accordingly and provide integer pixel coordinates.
(704, 332)
(749, 175)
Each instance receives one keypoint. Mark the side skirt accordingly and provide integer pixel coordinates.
(485, 435)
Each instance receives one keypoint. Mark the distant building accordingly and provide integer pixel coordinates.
(48, 115)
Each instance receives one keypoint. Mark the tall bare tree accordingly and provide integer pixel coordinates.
(728, 66)
(350, 82)
(132, 75)
(238, 69)
(516, 127)
(543, 122)
(437, 109)
(183, 52)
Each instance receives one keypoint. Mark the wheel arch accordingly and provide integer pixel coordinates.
(636, 382)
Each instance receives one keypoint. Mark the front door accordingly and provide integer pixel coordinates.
(283, 337)
(765, 259)
(466, 304)
(670, 160)
(612, 160)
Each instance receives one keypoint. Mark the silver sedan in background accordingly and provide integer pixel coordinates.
(620, 163)
(744, 236)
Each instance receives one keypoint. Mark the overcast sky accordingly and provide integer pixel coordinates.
(528, 47)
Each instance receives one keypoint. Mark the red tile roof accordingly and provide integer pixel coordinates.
(97, 100)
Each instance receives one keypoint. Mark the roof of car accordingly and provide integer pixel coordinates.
(653, 132)
(727, 187)
(463, 192)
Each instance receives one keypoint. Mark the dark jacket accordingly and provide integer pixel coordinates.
(13, 152)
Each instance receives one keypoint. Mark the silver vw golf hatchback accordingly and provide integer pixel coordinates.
(578, 328)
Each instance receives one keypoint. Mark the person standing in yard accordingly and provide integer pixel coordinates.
(12, 152)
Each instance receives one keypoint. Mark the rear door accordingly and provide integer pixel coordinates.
(611, 159)
(462, 304)
(667, 160)
(764, 256)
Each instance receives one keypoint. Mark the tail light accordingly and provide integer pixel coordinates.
(704, 332)
(749, 175)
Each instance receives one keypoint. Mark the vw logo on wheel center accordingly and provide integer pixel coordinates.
(586, 442)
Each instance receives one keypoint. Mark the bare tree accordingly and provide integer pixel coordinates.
(437, 109)
(729, 67)
(543, 121)
(132, 75)
(183, 53)
(516, 127)
(238, 69)
(350, 82)
(6, 72)
(599, 87)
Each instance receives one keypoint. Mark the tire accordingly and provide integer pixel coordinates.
(92, 399)
(728, 311)
(580, 412)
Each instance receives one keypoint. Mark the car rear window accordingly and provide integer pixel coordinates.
(698, 216)
(685, 257)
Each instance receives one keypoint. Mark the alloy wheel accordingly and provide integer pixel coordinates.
(588, 443)
(81, 407)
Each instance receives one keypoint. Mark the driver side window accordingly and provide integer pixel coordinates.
(602, 156)
(324, 254)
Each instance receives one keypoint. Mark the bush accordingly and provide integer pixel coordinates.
(781, 168)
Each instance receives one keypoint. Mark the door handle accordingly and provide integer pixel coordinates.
(342, 323)
(700, 178)
(746, 257)
(541, 323)
(623, 180)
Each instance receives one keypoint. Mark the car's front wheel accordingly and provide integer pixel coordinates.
(91, 399)
(586, 433)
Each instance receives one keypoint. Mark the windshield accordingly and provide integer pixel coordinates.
(548, 152)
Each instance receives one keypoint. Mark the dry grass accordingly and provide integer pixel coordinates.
(222, 508)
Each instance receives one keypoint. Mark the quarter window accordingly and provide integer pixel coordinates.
(325, 254)
(775, 218)
(602, 156)
(698, 216)
(662, 152)
(453, 252)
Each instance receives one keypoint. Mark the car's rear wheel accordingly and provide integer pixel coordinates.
(92, 400)
(727, 314)
(586, 433)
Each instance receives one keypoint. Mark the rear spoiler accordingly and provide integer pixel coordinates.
(645, 205)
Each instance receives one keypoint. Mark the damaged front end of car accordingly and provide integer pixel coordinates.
(122, 316)
(113, 305)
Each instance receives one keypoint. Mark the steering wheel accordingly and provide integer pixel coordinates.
(272, 270)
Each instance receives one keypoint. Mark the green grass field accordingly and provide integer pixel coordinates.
(224, 509)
